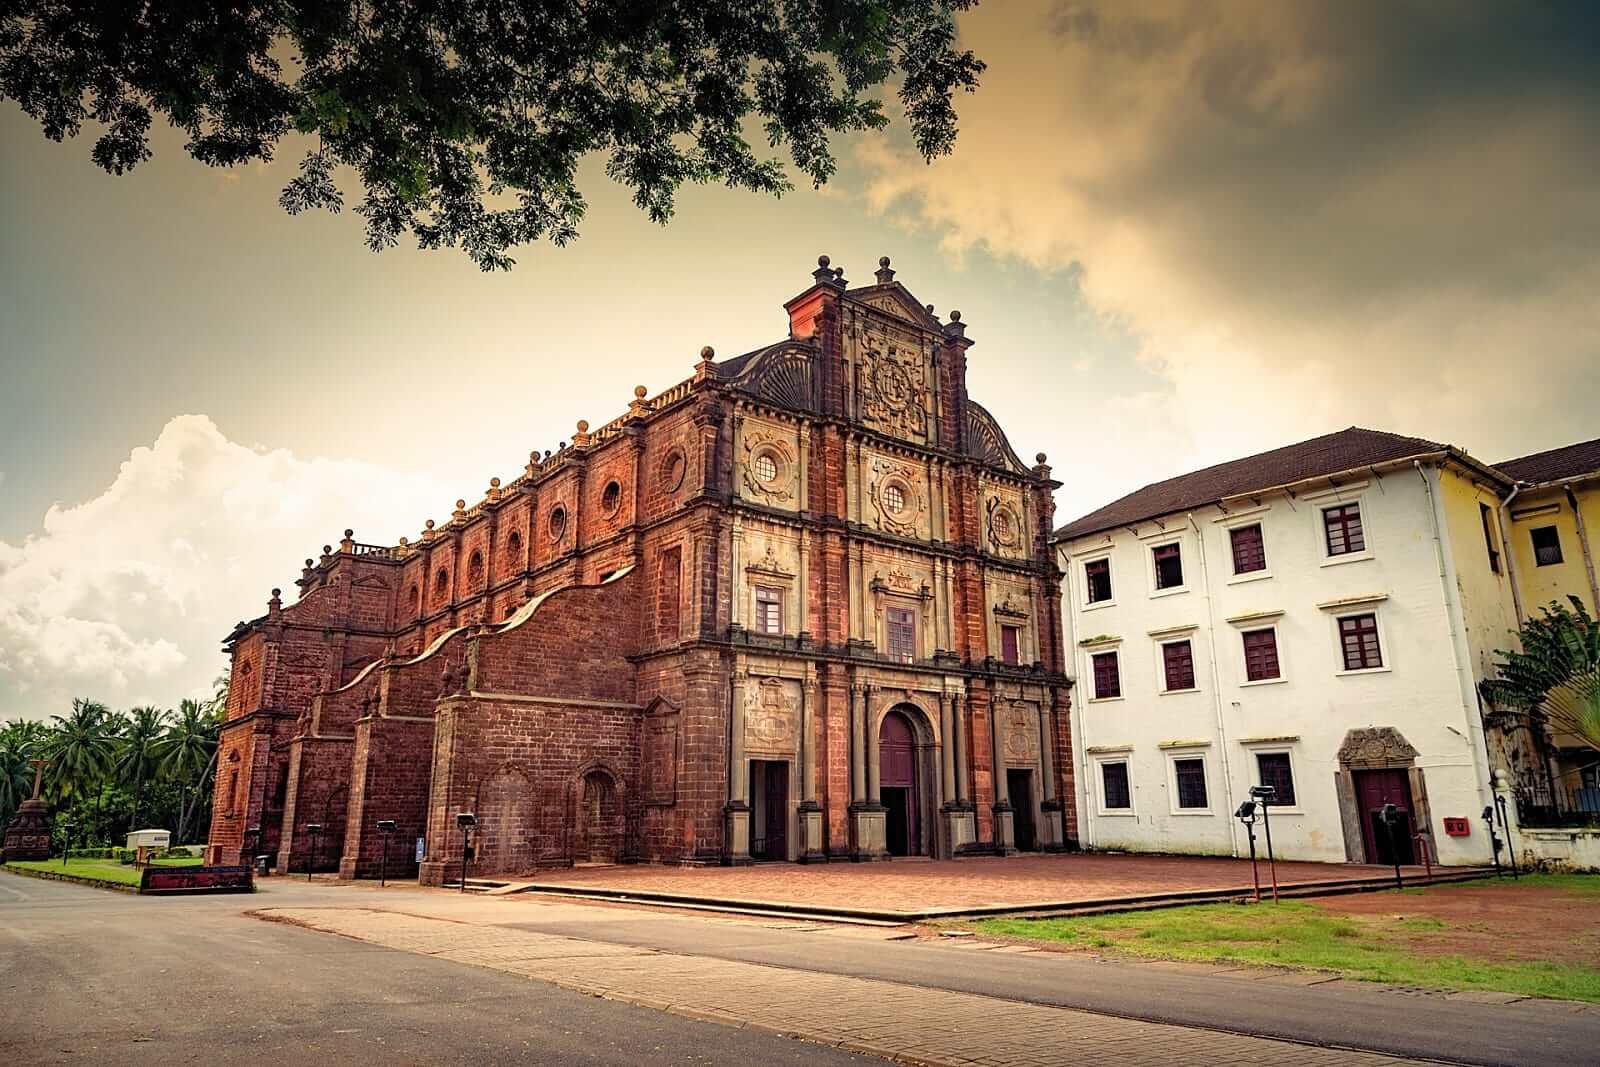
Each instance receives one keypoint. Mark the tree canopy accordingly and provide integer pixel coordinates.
(465, 121)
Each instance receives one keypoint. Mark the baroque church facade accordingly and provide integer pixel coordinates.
(801, 606)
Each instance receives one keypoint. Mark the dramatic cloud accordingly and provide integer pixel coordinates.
(124, 598)
(1307, 215)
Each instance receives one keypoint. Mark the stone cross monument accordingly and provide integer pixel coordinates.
(28, 836)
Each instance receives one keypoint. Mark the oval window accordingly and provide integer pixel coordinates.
(894, 498)
(766, 468)
(611, 498)
(558, 522)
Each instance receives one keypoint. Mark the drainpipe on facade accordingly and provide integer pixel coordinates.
(1502, 516)
(1583, 544)
(1216, 687)
(1082, 785)
(1452, 611)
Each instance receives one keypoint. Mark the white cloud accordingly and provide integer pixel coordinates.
(125, 597)
(1308, 215)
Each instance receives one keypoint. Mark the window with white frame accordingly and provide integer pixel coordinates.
(1177, 665)
(1275, 769)
(1097, 580)
(901, 624)
(1115, 794)
(769, 610)
(1342, 531)
(1249, 549)
(1261, 655)
(1358, 642)
(1189, 780)
(1168, 562)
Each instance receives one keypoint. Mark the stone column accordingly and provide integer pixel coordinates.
(963, 763)
(867, 813)
(957, 817)
(736, 812)
(1052, 836)
(947, 752)
(874, 752)
(858, 748)
(812, 848)
(1004, 830)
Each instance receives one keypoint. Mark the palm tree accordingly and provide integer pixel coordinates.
(81, 748)
(1555, 679)
(188, 751)
(138, 756)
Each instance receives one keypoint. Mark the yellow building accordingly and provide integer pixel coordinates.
(1550, 521)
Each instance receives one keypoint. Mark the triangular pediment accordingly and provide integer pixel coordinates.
(894, 299)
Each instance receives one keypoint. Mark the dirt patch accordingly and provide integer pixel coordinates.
(1491, 921)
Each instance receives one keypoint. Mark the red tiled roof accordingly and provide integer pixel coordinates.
(1330, 454)
(1568, 461)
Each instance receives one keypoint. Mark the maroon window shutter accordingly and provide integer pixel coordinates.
(1249, 553)
(1260, 655)
(1107, 679)
(1178, 659)
(902, 634)
(1097, 576)
(1342, 525)
(1358, 636)
(1008, 645)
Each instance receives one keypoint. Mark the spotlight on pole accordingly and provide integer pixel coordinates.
(1247, 815)
(465, 821)
(386, 828)
(1265, 795)
(315, 830)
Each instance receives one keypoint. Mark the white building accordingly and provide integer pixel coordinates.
(1315, 618)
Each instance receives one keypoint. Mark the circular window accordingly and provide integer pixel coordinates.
(1001, 525)
(611, 498)
(894, 498)
(766, 468)
(673, 470)
(558, 522)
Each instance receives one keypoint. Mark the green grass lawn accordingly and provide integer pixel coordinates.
(1390, 949)
(104, 870)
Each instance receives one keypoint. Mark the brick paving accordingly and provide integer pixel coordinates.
(907, 1023)
(931, 886)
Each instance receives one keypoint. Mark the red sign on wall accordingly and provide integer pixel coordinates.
(1456, 827)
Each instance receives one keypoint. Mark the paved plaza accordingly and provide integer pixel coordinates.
(911, 889)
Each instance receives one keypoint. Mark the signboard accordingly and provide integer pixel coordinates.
(1456, 827)
(421, 842)
(178, 880)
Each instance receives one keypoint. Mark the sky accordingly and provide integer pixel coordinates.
(1178, 232)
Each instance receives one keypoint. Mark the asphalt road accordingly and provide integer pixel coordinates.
(88, 975)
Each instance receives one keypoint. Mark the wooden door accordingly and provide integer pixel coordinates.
(1019, 784)
(777, 814)
(1374, 789)
(897, 780)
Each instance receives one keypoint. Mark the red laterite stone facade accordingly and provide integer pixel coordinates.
(800, 606)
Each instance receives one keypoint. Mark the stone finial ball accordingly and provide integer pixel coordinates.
(883, 261)
(276, 593)
(823, 261)
(326, 549)
(460, 504)
(494, 483)
(707, 352)
(583, 425)
(428, 524)
(639, 391)
(955, 316)
(929, 309)
(309, 562)
(1041, 458)
(349, 533)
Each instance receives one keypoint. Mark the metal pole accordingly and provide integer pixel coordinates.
(1272, 860)
(466, 834)
(1391, 819)
(383, 864)
(1255, 872)
(1505, 824)
(1494, 841)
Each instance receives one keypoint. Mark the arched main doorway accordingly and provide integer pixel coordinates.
(899, 785)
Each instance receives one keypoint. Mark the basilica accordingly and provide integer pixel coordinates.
(801, 606)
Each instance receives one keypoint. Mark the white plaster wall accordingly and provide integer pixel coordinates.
(1418, 691)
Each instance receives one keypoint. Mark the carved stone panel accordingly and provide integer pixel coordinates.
(771, 716)
(661, 760)
(1376, 746)
(1003, 530)
(1020, 730)
(894, 384)
(898, 500)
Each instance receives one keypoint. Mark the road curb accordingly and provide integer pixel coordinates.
(78, 879)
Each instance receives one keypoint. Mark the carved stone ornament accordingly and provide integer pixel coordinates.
(1005, 528)
(894, 386)
(1020, 733)
(1012, 605)
(769, 565)
(674, 467)
(781, 485)
(1376, 746)
(769, 717)
(895, 483)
